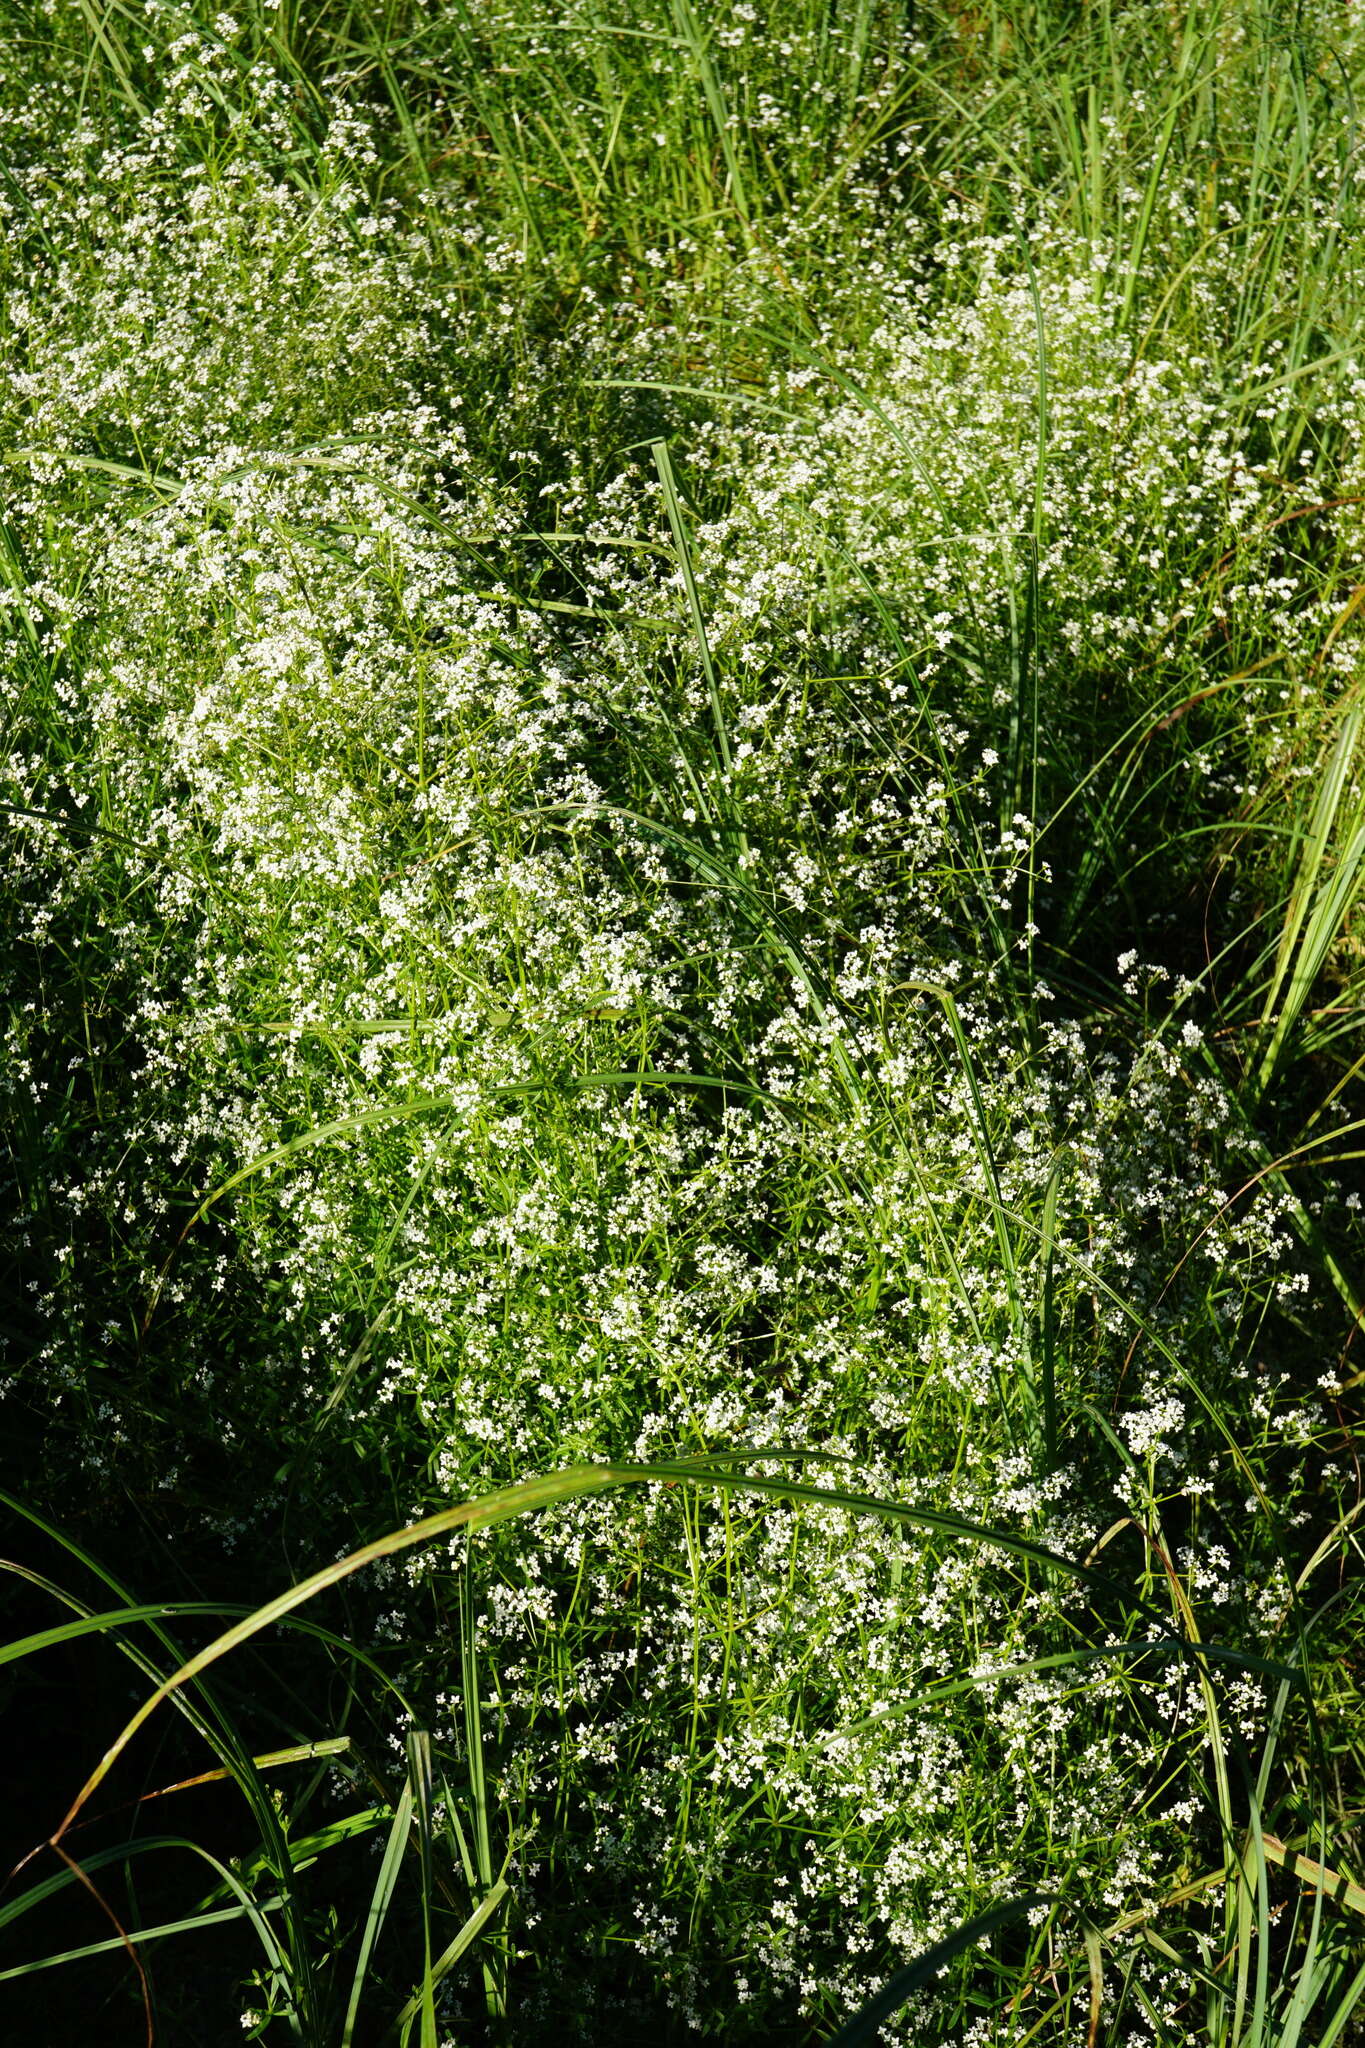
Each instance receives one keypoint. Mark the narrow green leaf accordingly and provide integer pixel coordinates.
(473, 1927)
(862, 2029)
(380, 1901)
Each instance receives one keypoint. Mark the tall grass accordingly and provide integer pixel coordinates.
(683, 789)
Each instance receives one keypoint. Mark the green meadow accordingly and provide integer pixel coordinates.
(682, 1078)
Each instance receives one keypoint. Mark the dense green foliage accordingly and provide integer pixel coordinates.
(684, 793)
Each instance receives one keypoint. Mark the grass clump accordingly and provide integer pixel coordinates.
(683, 790)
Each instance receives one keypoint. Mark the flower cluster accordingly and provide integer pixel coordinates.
(563, 981)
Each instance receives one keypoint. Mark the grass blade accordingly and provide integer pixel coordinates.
(380, 1901)
(863, 2028)
(1316, 909)
(474, 1926)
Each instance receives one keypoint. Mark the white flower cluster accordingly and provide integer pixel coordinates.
(609, 1047)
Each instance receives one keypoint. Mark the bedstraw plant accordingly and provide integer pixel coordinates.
(684, 818)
